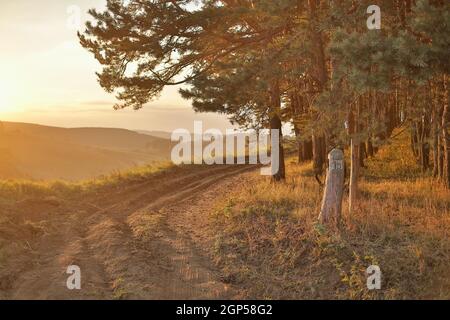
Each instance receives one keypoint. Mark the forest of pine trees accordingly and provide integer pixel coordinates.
(314, 64)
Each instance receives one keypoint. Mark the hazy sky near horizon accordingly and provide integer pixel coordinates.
(46, 77)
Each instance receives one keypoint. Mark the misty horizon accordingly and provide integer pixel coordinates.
(58, 76)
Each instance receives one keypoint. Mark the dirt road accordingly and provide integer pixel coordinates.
(133, 242)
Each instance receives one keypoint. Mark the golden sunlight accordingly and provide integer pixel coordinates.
(7, 93)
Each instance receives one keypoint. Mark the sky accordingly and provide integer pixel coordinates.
(46, 77)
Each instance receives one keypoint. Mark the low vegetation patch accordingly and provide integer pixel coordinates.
(14, 190)
(269, 239)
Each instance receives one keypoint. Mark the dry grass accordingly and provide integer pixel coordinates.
(30, 209)
(14, 190)
(269, 241)
(266, 237)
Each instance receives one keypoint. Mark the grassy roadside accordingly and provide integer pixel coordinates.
(14, 190)
(30, 211)
(265, 237)
(268, 239)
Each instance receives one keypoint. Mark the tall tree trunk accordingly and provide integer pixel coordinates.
(440, 157)
(446, 135)
(422, 148)
(435, 130)
(414, 141)
(425, 157)
(318, 160)
(354, 174)
(355, 153)
(307, 150)
(299, 144)
(275, 123)
(362, 154)
(316, 36)
(320, 70)
(369, 147)
(435, 153)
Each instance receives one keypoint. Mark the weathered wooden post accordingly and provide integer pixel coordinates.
(334, 187)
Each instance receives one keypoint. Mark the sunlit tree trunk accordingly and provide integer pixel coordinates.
(355, 162)
(446, 135)
(275, 123)
(369, 147)
(299, 144)
(434, 129)
(318, 159)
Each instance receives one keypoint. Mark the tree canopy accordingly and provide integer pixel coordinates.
(311, 63)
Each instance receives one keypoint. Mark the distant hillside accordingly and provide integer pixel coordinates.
(158, 134)
(41, 152)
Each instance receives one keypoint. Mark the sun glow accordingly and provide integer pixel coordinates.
(7, 93)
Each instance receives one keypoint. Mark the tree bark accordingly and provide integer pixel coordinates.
(440, 157)
(318, 160)
(369, 148)
(299, 144)
(275, 123)
(435, 131)
(355, 163)
(320, 66)
(362, 154)
(354, 174)
(446, 135)
(307, 151)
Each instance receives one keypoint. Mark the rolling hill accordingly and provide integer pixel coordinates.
(39, 152)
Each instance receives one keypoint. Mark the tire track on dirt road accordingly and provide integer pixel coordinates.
(127, 247)
(161, 265)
